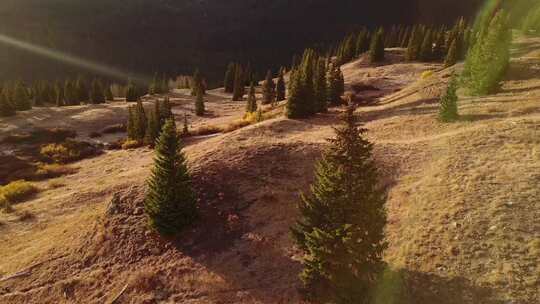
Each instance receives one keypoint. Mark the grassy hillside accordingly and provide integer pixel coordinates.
(463, 213)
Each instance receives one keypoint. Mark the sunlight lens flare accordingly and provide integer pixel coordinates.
(69, 59)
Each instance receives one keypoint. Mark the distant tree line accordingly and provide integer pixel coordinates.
(423, 43)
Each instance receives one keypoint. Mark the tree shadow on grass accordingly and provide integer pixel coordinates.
(414, 287)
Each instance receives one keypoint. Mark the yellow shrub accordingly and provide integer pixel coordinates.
(16, 192)
(205, 130)
(426, 74)
(61, 153)
(235, 125)
(53, 170)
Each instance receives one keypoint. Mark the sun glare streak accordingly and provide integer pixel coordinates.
(70, 59)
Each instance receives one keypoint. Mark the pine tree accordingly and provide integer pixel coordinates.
(238, 90)
(82, 90)
(6, 108)
(197, 83)
(199, 103)
(268, 89)
(165, 111)
(170, 203)
(21, 100)
(280, 86)
(439, 49)
(131, 130)
(320, 87)
(376, 49)
(108, 93)
(489, 57)
(153, 87)
(251, 105)
(152, 130)
(132, 93)
(59, 94)
(448, 110)
(293, 108)
(415, 43)
(362, 42)
(426, 50)
(341, 229)
(185, 129)
(139, 122)
(451, 57)
(335, 85)
(228, 82)
(164, 85)
(96, 92)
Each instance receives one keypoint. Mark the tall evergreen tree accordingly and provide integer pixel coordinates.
(199, 103)
(489, 57)
(320, 87)
(341, 229)
(170, 202)
(6, 108)
(415, 43)
(335, 85)
(70, 93)
(82, 90)
(107, 92)
(439, 50)
(152, 129)
(96, 92)
(196, 83)
(132, 92)
(59, 94)
(228, 82)
(362, 42)
(426, 50)
(139, 122)
(165, 111)
(280, 86)
(20, 97)
(251, 105)
(238, 90)
(448, 109)
(376, 49)
(452, 56)
(268, 89)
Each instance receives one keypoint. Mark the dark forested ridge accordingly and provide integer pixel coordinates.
(175, 36)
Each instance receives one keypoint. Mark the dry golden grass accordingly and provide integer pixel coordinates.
(463, 212)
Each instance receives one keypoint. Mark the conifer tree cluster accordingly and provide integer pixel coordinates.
(170, 203)
(436, 44)
(159, 85)
(198, 84)
(340, 229)
(97, 91)
(308, 86)
(144, 125)
(134, 91)
(489, 57)
(14, 97)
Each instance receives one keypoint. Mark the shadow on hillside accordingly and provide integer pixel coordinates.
(413, 287)
(480, 117)
(64, 116)
(521, 71)
(428, 106)
(524, 48)
(520, 90)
